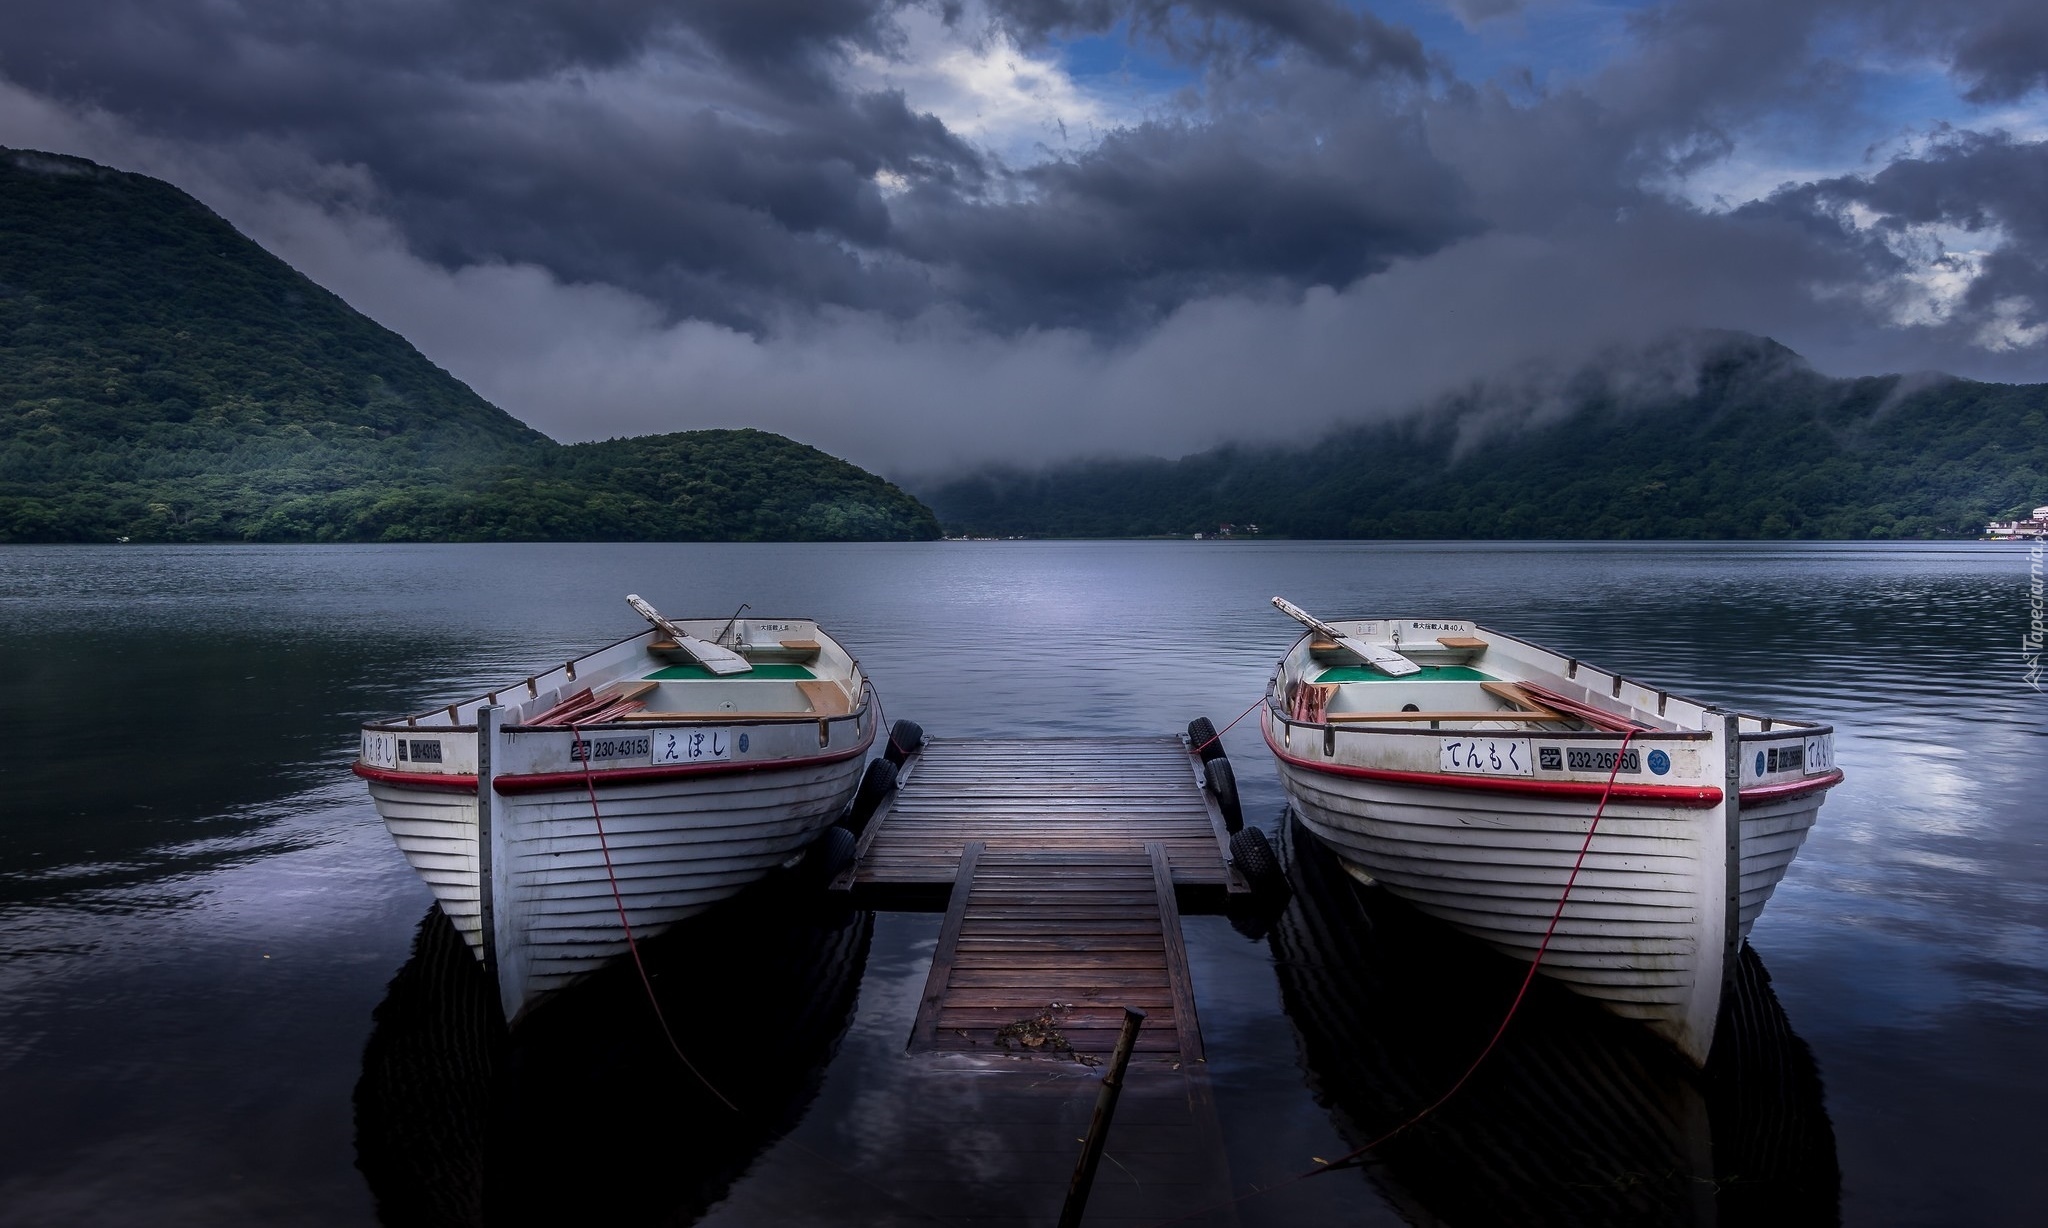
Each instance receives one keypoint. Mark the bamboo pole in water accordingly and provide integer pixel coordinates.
(1098, 1126)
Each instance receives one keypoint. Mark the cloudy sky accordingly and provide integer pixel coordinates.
(923, 235)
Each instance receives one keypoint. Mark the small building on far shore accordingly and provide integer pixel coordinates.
(2034, 528)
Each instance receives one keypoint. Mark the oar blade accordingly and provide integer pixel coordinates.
(1385, 660)
(1381, 658)
(712, 657)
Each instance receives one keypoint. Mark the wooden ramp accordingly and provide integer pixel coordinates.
(1043, 949)
(1061, 864)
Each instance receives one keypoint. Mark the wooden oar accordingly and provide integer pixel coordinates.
(1385, 660)
(706, 653)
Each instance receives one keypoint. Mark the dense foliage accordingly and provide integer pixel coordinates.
(162, 378)
(1762, 447)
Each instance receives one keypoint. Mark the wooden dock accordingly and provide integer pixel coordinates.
(1063, 866)
(1044, 795)
(1070, 938)
(1063, 861)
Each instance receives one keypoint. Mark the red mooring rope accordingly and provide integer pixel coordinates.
(604, 846)
(1514, 1006)
(618, 901)
(1232, 725)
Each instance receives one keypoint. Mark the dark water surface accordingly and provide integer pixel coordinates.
(224, 998)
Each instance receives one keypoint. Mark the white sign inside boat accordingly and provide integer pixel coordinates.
(380, 749)
(1820, 753)
(612, 750)
(1485, 756)
(692, 745)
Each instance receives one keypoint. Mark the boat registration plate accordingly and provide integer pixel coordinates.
(1485, 756)
(610, 750)
(692, 745)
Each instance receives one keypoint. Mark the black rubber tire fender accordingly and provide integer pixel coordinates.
(875, 784)
(830, 853)
(906, 738)
(1253, 856)
(1221, 780)
(1202, 739)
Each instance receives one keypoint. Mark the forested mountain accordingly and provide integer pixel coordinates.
(163, 378)
(1754, 444)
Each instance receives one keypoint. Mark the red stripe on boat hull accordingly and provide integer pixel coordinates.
(415, 780)
(541, 782)
(1683, 797)
(1757, 795)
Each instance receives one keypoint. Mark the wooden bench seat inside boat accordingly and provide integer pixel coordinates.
(719, 716)
(1436, 695)
(1496, 714)
(1456, 647)
(826, 698)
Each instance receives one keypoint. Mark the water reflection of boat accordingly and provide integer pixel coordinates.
(1462, 768)
(1576, 1118)
(585, 1115)
(716, 749)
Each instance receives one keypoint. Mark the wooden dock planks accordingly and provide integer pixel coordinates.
(1044, 795)
(1073, 936)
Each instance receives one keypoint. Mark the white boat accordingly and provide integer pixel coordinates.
(714, 751)
(1461, 768)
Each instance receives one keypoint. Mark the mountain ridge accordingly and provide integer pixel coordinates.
(164, 378)
(1722, 435)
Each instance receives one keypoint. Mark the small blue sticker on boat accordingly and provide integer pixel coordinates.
(743, 741)
(1660, 763)
(1759, 763)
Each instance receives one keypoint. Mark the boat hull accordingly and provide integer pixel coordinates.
(605, 799)
(1641, 933)
(1574, 1123)
(1470, 794)
(675, 848)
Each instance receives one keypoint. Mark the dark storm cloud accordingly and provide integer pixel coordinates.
(499, 40)
(1230, 31)
(1999, 49)
(722, 217)
(738, 182)
(748, 188)
(1168, 212)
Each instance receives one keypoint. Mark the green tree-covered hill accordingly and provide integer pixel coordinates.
(1758, 446)
(163, 378)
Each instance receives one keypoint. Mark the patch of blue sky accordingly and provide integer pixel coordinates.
(1547, 41)
(1552, 40)
(1886, 107)
(1112, 61)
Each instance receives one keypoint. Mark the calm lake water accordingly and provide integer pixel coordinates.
(224, 998)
